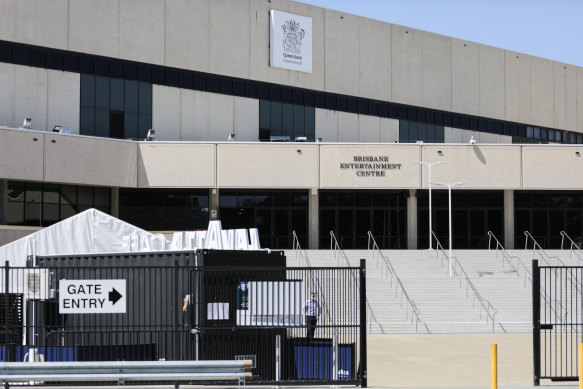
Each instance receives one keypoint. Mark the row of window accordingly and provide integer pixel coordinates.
(285, 120)
(115, 108)
(276, 213)
(38, 204)
(30, 55)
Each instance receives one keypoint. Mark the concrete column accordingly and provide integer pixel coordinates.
(3, 201)
(412, 220)
(313, 220)
(115, 202)
(508, 219)
(214, 204)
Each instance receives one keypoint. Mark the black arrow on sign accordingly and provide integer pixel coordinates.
(114, 296)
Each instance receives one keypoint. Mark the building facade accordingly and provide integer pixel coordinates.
(241, 139)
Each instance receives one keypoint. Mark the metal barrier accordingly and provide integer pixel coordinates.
(161, 306)
(455, 267)
(556, 336)
(513, 261)
(121, 372)
(415, 314)
(339, 253)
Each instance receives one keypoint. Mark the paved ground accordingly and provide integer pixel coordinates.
(446, 361)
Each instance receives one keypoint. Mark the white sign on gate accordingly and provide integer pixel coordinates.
(92, 296)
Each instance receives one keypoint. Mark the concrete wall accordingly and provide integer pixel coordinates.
(48, 97)
(186, 115)
(267, 165)
(39, 156)
(351, 54)
(176, 165)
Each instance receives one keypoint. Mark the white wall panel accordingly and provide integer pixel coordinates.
(580, 99)
(453, 135)
(166, 112)
(220, 117)
(327, 125)
(436, 71)
(518, 81)
(347, 127)
(8, 25)
(7, 85)
(64, 99)
(342, 52)
(30, 97)
(246, 119)
(142, 30)
(465, 73)
(565, 96)
(41, 22)
(492, 83)
(369, 128)
(389, 130)
(96, 27)
(541, 89)
(406, 65)
(187, 34)
(229, 32)
(375, 59)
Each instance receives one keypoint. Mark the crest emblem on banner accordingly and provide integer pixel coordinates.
(292, 37)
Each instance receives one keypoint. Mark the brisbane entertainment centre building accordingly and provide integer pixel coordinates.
(281, 116)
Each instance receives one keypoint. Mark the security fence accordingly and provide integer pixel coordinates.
(557, 293)
(151, 307)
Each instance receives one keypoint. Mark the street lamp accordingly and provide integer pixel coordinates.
(429, 164)
(449, 186)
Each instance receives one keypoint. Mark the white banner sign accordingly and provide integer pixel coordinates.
(290, 41)
(92, 296)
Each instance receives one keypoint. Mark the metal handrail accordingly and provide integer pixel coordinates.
(508, 258)
(537, 249)
(578, 253)
(486, 305)
(391, 270)
(301, 252)
(338, 250)
(544, 257)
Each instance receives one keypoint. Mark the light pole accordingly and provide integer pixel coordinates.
(449, 186)
(429, 164)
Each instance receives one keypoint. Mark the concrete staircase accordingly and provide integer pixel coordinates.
(444, 306)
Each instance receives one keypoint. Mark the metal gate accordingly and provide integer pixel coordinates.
(557, 295)
(147, 309)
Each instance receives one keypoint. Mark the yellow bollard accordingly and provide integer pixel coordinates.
(495, 366)
(580, 365)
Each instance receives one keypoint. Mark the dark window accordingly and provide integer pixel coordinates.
(286, 120)
(38, 204)
(411, 131)
(116, 108)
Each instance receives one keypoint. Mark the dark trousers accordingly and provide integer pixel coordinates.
(311, 324)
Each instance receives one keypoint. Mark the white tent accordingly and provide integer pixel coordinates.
(88, 232)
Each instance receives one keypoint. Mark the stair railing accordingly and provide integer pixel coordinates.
(378, 254)
(518, 266)
(539, 252)
(303, 256)
(573, 247)
(458, 271)
(339, 254)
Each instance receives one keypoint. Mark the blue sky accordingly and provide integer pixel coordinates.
(550, 29)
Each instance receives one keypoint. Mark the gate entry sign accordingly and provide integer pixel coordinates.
(92, 296)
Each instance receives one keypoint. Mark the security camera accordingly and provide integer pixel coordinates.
(472, 140)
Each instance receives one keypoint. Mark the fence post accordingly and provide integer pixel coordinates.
(363, 323)
(536, 320)
(7, 351)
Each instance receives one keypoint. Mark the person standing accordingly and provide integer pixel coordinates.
(312, 310)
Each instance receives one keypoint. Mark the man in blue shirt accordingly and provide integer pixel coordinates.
(312, 310)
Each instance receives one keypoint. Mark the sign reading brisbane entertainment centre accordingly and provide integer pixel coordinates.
(92, 296)
(290, 41)
(370, 165)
